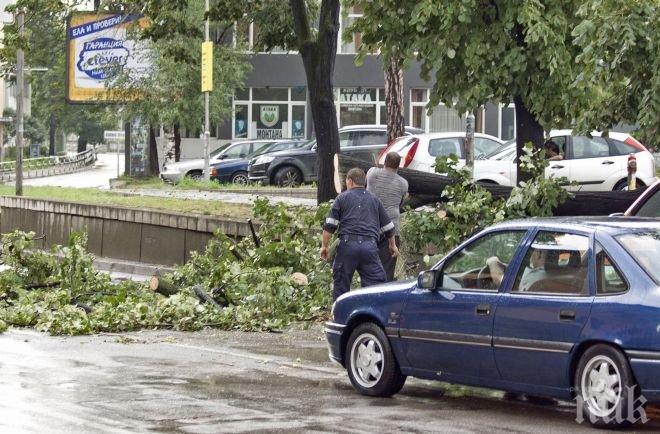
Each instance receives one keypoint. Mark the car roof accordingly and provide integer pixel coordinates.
(375, 127)
(455, 134)
(613, 225)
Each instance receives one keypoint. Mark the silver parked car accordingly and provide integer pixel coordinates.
(174, 172)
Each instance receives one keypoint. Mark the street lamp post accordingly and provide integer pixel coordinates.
(207, 126)
(20, 64)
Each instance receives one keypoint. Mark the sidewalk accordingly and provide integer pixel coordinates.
(230, 197)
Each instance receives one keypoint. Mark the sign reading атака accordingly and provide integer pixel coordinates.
(97, 51)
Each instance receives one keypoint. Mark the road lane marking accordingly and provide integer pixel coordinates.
(256, 358)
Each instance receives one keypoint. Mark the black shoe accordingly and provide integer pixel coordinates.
(539, 400)
(513, 396)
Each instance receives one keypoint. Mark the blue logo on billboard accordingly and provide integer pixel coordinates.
(102, 58)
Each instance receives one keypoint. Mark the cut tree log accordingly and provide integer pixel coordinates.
(159, 284)
(426, 188)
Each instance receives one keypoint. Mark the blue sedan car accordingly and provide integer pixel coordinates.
(236, 170)
(566, 308)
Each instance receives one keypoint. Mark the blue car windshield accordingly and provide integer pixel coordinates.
(645, 248)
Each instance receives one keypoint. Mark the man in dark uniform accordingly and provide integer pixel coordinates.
(361, 219)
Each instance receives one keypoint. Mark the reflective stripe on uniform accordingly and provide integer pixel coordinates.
(387, 227)
(331, 221)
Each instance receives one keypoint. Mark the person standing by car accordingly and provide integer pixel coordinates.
(391, 189)
(360, 219)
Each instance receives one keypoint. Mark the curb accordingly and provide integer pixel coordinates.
(111, 265)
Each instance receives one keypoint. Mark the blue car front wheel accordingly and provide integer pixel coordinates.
(370, 362)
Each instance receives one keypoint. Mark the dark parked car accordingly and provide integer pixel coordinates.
(294, 167)
(236, 170)
(648, 204)
(565, 308)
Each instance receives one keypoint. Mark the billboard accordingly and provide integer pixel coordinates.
(98, 48)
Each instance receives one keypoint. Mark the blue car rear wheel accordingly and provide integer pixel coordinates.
(606, 388)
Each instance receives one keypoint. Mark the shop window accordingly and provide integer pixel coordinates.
(269, 121)
(445, 119)
(419, 117)
(241, 122)
(299, 93)
(359, 105)
(357, 114)
(383, 115)
(298, 121)
(508, 123)
(242, 94)
(418, 95)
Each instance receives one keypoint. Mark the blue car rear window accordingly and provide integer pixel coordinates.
(645, 248)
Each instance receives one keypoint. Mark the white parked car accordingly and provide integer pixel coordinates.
(595, 163)
(419, 151)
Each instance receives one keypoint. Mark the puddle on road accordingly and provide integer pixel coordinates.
(316, 355)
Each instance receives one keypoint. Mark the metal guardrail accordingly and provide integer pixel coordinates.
(47, 166)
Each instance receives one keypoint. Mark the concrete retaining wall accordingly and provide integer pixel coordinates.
(117, 232)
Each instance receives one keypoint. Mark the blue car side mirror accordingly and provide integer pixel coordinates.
(428, 279)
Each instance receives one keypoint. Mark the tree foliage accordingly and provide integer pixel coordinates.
(588, 62)
(264, 287)
(307, 26)
(620, 58)
(171, 92)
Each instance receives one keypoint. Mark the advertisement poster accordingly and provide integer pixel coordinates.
(139, 147)
(98, 49)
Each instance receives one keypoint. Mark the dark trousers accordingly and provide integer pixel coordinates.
(360, 256)
(389, 263)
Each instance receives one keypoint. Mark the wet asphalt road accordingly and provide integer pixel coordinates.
(211, 381)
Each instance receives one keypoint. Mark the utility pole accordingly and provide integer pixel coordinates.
(20, 65)
(206, 89)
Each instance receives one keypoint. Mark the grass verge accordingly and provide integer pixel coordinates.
(191, 184)
(97, 197)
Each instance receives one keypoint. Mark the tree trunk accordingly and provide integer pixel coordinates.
(177, 142)
(154, 170)
(527, 130)
(82, 144)
(394, 99)
(426, 188)
(52, 129)
(318, 57)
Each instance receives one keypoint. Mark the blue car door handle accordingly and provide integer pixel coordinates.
(483, 309)
(566, 315)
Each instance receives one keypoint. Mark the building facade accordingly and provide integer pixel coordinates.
(275, 104)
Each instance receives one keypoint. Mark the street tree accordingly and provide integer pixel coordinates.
(312, 29)
(309, 27)
(165, 95)
(386, 43)
(170, 92)
(620, 59)
(487, 50)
